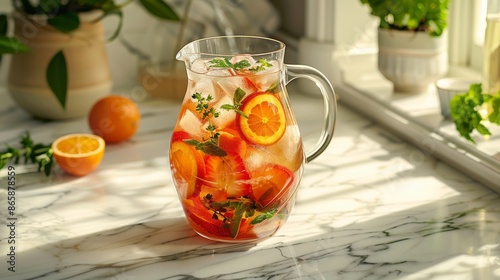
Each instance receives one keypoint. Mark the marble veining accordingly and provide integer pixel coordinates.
(370, 207)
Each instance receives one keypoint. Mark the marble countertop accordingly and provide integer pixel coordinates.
(370, 207)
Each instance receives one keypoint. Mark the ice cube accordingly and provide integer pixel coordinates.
(241, 57)
(267, 78)
(226, 117)
(205, 87)
(190, 123)
(217, 72)
(199, 66)
(257, 157)
(288, 150)
(230, 84)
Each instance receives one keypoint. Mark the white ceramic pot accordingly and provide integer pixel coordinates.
(89, 75)
(447, 88)
(412, 60)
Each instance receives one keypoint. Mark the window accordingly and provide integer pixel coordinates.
(467, 23)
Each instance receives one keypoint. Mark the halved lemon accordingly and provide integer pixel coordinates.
(78, 154)
(266, 122)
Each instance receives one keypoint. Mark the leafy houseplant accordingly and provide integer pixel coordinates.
(412, 41)
(465, 110)
(63, 17)
(413, 15)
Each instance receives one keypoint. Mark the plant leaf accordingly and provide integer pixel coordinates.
(160, 9)
(3, 24)
(12, 45)
(236, 220)
(65, 22)
(494, 117)
(57, 77)
(264, 216)
(120, 22)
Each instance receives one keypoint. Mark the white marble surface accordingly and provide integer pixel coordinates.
(370, 207)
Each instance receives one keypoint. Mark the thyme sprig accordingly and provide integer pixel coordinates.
(209, 146)
(29, 152)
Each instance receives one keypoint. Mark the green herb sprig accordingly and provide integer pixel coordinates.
(263, 65)
(225, 63)
(240, 65)
(29, 152)
(464, 110)
(238, 96)
(241, 207)
(209, 146)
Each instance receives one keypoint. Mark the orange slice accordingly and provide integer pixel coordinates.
(78, 154)
(266, 122)
(187, 166)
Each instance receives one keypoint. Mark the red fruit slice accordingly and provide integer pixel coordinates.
(187, 167)
(272, 185)
(179, 136)
(231, 141)
(228, 173)
(202, 221)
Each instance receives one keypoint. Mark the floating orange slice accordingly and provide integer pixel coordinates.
(78, 154)
(187, 166)
(266, 122)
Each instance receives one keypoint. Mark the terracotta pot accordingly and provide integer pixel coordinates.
(89, 75)
(412, 60)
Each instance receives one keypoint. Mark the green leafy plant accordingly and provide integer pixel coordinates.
(414, 15)
(63, 16)
(465, 110)
(29, 152)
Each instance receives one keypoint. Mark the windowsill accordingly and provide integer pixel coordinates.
(417, 118)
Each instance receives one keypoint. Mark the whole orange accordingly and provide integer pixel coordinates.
(115, 118)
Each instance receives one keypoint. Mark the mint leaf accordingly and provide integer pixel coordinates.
(238, 96)
(236, 220)
(264, 64)
(225, 63)
(264, 216)
(207, 147)
(240, 65)
(220, 63)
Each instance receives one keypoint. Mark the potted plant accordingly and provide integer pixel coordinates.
(412, 41)
(59, 66)
(472, 109)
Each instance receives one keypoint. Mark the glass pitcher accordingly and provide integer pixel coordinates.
(236, 154)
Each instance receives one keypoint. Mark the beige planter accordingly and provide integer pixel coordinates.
(412, 60)
(89, 75)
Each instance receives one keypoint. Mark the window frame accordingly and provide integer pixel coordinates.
(466, 25)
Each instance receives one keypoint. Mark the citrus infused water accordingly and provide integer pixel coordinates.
(236, 155)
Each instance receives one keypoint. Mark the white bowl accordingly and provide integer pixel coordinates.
(449, 87)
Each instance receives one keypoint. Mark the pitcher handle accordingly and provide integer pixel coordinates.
(329, 102)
